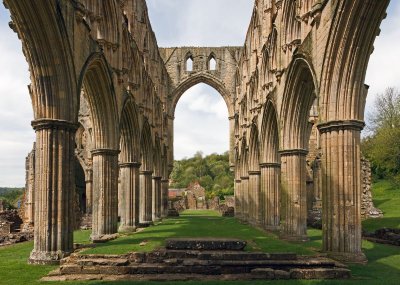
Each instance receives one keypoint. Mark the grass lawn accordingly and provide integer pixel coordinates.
(383, 266)
(386, 197)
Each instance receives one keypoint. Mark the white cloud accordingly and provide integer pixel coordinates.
(201, 123)
(16, 134)
(383, 70)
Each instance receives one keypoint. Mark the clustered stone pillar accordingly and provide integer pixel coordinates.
(105, 193)
(254, 197)
(244, 191)
(129, 196)
(89, 190)
(146, 200)
(54, 190)
(238, 199)
(30, 186)
(164, 202)
(294, 194)
(341, 196)
(270, 198)
(156, 201)
(232, 141)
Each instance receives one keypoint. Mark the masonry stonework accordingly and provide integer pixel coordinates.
(100, 59)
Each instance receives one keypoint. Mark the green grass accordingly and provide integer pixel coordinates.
(383, 266)
(197, 224)
(386, 197)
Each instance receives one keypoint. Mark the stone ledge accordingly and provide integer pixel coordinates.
(205, 244)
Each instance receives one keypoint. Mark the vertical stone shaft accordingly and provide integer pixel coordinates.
(164, 202)
(341, 196)
(245, 197)
(145, 209)
(254, 197)
(294, 194)
(30, 187)
(89, 191)
(156, 201)
(129, 196)
(105, 193)
(232, 141)
(54, 190)
(238, 198)
(270, 197)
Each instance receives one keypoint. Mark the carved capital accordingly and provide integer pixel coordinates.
(105, 151)
(45, 124)
(130, 165)
(146, 172)
(290, 152)
(270, 165)
(254, 172)
(341, 125)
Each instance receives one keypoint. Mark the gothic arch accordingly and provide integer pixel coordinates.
(146, 147)
(96, 80)
(206, 78)
(299, 95)
(269, 134)
(130, 133)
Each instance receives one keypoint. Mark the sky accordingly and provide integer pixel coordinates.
(176, 23)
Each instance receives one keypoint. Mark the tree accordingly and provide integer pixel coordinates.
(382, 145)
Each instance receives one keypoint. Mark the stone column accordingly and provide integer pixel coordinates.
(54, 190)
(254, 197)
(270, 198)
(145, 202)
(129, 196)
(245, 197)
(232, 141)
(89, 191)
(164, 202)
(156, 201)
(105, 193)
(238, 199)
(341, 196)
(294, 194)
(29, 188)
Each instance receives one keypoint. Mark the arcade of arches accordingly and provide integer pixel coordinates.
(104, 96)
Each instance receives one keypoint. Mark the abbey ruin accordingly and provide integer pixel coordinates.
(104, 97)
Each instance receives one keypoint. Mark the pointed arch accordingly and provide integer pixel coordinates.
(270, 134)
(189, 62)
(254, 149)
(291, 23)
(130, 133)
(212, 62)
(146, 147)
(299, 95)
(96, 81)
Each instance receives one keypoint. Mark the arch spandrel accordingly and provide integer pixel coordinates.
(223, 78)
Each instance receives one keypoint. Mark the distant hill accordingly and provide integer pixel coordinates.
(6, 190)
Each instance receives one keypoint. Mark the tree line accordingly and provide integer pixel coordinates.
(211, 171)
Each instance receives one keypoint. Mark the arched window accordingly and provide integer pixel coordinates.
(212, 63)
(189, 63)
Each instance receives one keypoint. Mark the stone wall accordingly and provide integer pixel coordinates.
(368, 209)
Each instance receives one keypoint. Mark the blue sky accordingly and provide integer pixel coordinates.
(176, 23)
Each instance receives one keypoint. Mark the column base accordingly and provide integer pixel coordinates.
(272, 228)
(294, 238)
(47, 258)
(103, 238)
(127, 229)
(357, 258)
(145, 224)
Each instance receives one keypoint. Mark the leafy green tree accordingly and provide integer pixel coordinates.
(382, 145)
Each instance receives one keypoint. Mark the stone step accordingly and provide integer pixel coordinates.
(205, 244)
(160, 255)
(148, 272)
